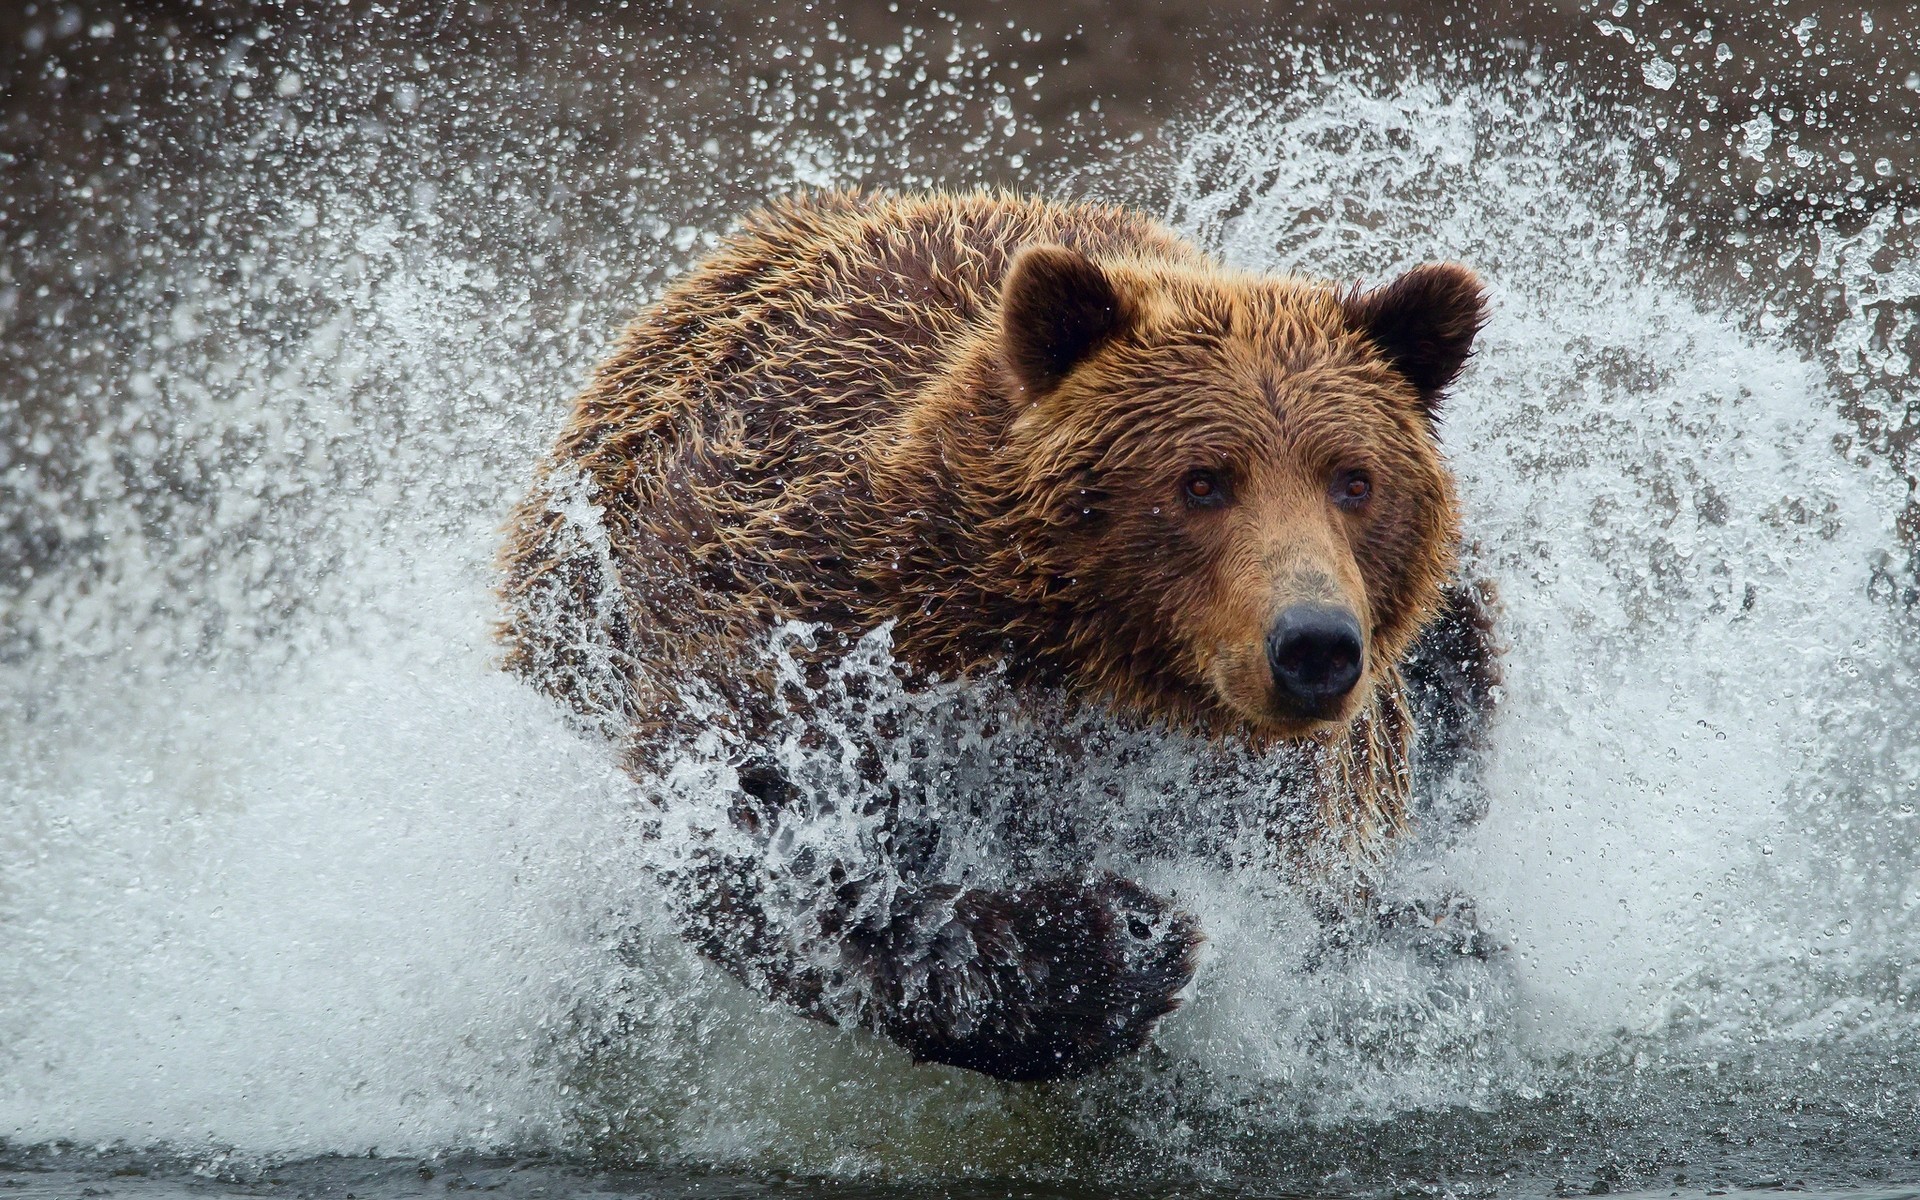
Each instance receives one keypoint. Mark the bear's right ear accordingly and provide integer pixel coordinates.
(1056, 308)
(1424, 323)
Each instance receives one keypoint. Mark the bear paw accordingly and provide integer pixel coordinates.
(1054, 979)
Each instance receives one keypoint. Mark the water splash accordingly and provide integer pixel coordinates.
(294, 871)
(1686, 558)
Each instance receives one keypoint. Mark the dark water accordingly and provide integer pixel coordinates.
(301, 896)
(45, 1176)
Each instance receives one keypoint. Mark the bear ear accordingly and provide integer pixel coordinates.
(1424, 323)
(1056, 308)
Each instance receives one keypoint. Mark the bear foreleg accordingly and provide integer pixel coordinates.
(1052, 979)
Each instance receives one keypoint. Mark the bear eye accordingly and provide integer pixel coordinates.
(1351, 489)
(1204, 489)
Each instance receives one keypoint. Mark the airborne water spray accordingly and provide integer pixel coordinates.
(290, 869)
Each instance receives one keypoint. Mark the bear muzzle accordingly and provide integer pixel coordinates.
(1316, 653)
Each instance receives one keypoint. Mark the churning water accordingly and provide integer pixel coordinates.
(289, 869)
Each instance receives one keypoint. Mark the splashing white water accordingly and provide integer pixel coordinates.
(1693, 771)
(295, 870)
(1683, 554)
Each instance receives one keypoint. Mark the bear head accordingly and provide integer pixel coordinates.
(1231, 482)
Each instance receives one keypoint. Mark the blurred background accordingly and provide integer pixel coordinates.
(1841, 82)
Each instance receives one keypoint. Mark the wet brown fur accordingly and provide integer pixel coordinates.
(835, 418)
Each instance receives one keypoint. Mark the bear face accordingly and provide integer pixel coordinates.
(1234, 479)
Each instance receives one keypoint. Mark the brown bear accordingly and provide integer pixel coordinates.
(1051, 443)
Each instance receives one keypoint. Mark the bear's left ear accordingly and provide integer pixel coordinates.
(1424, 323)
(1056, 308)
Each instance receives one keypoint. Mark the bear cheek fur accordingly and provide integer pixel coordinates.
(1117, 574)
(1405, 543)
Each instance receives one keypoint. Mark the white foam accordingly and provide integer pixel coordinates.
(344, 905)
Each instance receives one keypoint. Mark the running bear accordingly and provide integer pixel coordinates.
(1052, 443)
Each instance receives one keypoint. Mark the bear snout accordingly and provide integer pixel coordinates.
(1315, 652)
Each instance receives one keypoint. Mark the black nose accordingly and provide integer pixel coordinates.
(1314, 651)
